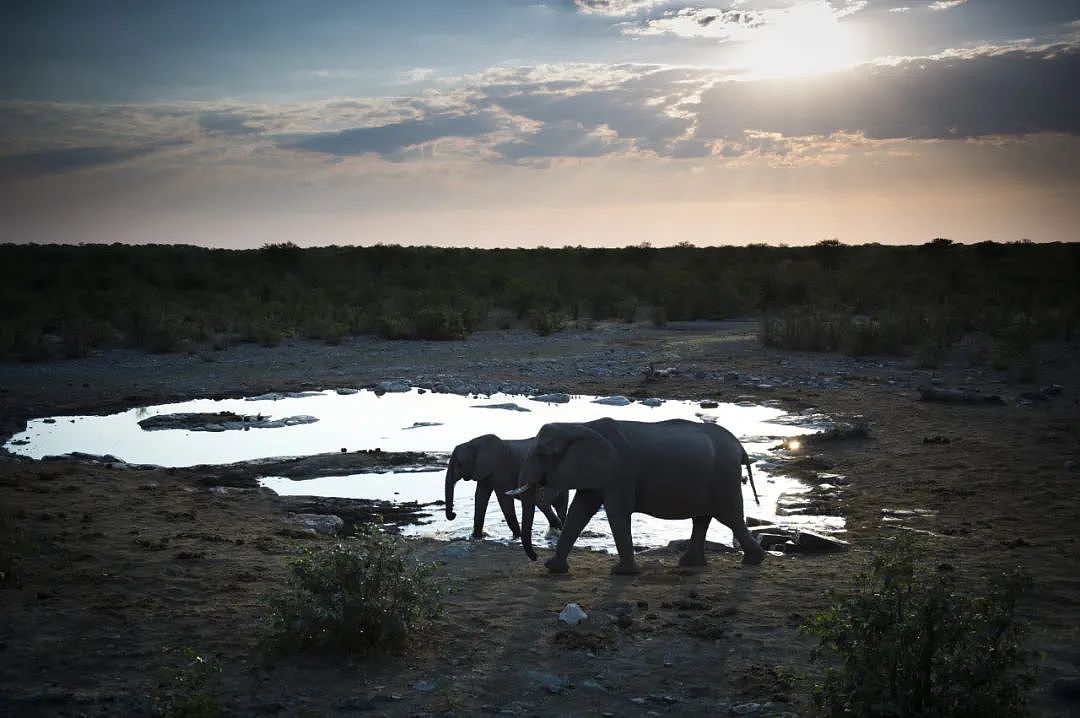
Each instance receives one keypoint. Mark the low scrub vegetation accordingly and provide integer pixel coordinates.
(353, 597)
(192, 690)
(911, 642)
(65, 301)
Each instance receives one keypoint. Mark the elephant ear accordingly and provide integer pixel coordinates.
(589, 462)
(489, 455)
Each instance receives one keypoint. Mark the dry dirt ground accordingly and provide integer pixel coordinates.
(123, 569)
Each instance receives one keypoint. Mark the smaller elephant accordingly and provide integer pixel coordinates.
(495, 464)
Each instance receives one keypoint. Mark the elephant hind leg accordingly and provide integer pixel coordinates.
(695, 550)
(753, 554)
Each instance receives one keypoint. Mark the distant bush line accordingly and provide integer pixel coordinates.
(67, 300)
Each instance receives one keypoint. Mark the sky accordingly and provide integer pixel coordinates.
(505, 123)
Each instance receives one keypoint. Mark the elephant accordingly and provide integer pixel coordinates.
(675, 469)
(495, 464)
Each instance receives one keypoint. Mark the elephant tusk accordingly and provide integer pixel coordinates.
(518, 491)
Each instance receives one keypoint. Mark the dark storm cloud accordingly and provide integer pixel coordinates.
(226, 123)
(389, 140)
(1000, 93)
(69, 159)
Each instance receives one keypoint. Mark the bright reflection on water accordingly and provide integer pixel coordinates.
(426, 486)
(409, 422)
(362, 420)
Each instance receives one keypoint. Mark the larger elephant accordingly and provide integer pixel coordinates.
(673, 469)
(495, 464)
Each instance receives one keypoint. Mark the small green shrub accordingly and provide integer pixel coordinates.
(439, 323)
(546, 322)
(192, 691)
(355, 596)
(912, 644)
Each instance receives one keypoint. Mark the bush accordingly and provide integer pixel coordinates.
(912, 644)
(439, 323)
(545, 322)
(354, 597)
(192, 691)
(1014, 350)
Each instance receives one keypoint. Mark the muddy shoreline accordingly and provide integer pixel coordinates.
(134, 561)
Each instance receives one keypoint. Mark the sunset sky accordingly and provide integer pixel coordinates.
(505, 123)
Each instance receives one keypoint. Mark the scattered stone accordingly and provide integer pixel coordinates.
(935, 440)
(552, 398)
(549, 681)
(321, 524)
(1053, 390)
(768, 540)
(219, 421)
(746, 709)
(572, 614)
(346, 391)
(593, 685)
(709, 404)
(612, 401)
(957, 396)
(424, 686)
(509, 406)
(841, 432)
(392, 386)
(639, 700)
(422, 425)
(810, 542)
(651, 401)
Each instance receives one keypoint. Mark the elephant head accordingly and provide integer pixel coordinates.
(474, 460)
(566, 456)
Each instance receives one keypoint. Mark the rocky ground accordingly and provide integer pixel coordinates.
(122, 569)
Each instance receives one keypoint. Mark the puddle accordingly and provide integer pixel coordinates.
(425, 487)
(414, 421)
(405, 421)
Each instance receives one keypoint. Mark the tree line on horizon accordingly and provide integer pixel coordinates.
(64, 300)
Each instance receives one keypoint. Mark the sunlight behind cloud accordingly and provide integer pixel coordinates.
(807, 39)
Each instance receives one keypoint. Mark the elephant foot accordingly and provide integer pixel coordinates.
(625, 569)
(692, 559)
(753, 558)
(557, 565)
(477, 536)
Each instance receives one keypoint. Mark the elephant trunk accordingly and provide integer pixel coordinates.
(451, 479)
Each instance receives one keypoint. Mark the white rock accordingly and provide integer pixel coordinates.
(612, 401)
(572, 614)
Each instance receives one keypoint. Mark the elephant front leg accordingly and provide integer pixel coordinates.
(582, 508)
(620, 530)
(483, 493)
(695, 552)
(507, 505)
(553, 521)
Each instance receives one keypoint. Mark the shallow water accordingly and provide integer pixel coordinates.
(426, 486)
(407, 421)
(412, 421)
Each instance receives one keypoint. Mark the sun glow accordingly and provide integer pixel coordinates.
(806, 39)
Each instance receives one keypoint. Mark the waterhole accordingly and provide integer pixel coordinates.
(232, 430)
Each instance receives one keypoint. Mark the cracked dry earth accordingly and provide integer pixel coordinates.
(121, 565)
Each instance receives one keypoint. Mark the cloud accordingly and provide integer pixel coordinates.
(945, 4)
(226, 123)
(69, 159)
(390, 139)
(561, 139)
(1014, 92)
(617, 7)
(700, 22)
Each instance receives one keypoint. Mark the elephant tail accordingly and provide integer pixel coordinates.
(750, 475)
